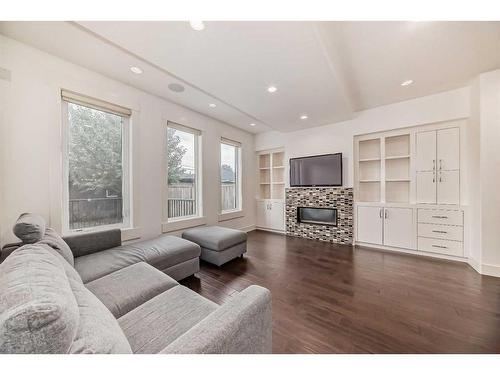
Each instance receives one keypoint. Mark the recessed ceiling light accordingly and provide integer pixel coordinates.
(136, 70)
(197, 25)
(407, 82)
(303, 117)
(252, 124)
(176, 87)
(212, 105)
(272, 89)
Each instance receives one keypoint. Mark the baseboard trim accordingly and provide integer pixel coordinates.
(248, 228)
(490, 270)
(409, 251)
(271, 230)
(475, 265)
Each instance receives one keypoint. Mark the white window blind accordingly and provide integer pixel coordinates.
(87, 101)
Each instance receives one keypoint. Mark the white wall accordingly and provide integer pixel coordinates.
(31, 143)
(489, 99)
(338, 137)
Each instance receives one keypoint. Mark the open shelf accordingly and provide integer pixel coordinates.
(271, 174)
(369, 159)
(369, 192)
(278, 159)
(397, 157)
(369, 149)
(397, 145)
(265, 161)
(265, 191)
(397, 191)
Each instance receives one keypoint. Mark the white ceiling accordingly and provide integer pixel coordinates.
(327, 70)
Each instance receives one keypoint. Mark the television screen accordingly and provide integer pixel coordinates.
(321, 170)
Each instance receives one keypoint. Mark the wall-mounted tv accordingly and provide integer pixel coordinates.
(320, 170)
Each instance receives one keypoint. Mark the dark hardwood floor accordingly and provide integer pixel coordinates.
(337, 299)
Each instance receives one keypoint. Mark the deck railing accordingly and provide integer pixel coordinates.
(92, 212)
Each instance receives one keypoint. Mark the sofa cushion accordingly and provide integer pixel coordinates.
(214, 237)
(29, 228)
(87, 243)
(162, 253)
(152, 326)
(125, 289)
(55, 241)
(38, 311)
(98, 331)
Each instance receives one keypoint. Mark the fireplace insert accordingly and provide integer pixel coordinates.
(317, 215)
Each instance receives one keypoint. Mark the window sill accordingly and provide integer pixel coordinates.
(172, 226)
(231, 215)
(129, 234)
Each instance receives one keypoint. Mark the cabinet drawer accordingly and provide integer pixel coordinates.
(448, 217)
(446, 247)
(445, 232)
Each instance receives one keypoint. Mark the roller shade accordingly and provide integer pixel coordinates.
(101, 105)
(230, 142)
(183, 128)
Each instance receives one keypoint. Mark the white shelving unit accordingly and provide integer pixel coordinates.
(407, 190)
(271, 199)
(397, 168)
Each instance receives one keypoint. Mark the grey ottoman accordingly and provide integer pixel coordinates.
(218, 245)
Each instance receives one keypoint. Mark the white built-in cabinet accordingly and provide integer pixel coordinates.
(388, 226)
(271, 214)
(438, 166)
(407, 190)
(271, 191)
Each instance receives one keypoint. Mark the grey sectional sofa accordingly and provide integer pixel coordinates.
(50, 303)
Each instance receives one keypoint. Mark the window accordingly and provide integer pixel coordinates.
(96, 177)
(183, 177)
(230, 167)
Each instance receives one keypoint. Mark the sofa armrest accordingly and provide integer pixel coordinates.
(241, 325)
(8, 249)
(92, 242)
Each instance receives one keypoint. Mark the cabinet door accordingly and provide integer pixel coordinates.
(426, 151)
(448, 149)
(448, 187)
(398, 227)
(262, 208)
(426, 187)
(369, 224)
(277, 216)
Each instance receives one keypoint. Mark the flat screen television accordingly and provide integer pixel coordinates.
(320, 170)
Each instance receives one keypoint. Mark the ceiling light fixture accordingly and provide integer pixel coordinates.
(303, 117)
(136, 70)
(212, 105)
(197, 25)
(272, 89)
(252, 124)
(407, 82)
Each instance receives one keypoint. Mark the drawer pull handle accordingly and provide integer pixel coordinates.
(439, 231)
(440, 217)
(441, 247)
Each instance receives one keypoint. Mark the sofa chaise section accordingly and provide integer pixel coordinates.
(175, 256)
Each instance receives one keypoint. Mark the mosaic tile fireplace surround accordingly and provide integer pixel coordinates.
(321, 197)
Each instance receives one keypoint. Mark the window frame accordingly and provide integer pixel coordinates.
(235, 212)
(182, 221)
(126, 162)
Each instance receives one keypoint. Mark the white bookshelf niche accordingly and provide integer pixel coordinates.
(369, 171)
(383, 169)
(272, 175)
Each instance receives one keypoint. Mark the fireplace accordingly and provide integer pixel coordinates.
(317, 215)
(320, 213)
